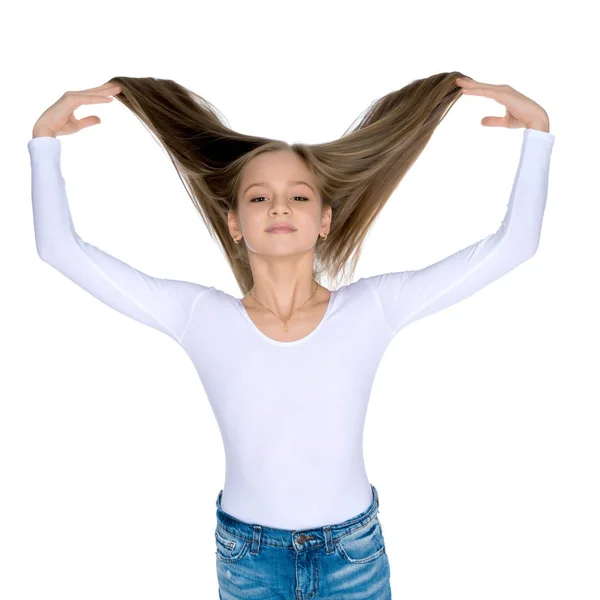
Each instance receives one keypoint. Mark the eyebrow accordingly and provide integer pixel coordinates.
(292, 182)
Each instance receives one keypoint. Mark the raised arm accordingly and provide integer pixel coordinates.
(408, 296)
(164, 304)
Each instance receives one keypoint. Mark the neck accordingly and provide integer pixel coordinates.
(284, 301)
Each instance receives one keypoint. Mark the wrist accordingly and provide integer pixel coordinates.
(42, 132)
(540, 125)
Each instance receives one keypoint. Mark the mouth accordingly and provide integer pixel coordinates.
(280, 228)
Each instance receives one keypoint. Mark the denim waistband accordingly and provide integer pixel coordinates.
(290, 538)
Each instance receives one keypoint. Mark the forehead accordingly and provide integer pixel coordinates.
(274, 165)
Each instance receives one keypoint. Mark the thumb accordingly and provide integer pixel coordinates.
(494, 121)
(88, 121)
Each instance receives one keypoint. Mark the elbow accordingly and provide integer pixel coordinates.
(42, 253)
(45, 254)
(532, 251)
(527, 256)
(526, 250)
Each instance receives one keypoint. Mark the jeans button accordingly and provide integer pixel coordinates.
(301, 538)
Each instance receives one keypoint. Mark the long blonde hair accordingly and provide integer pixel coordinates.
(356, 173)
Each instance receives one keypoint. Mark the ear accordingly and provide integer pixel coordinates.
(233, 223)
(326, 216)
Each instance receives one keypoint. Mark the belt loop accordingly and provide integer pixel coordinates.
(328, 539)
(256, 540)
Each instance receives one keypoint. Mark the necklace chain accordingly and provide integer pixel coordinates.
(285, 325)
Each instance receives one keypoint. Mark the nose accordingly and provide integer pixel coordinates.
(279, 209)
(280, 205)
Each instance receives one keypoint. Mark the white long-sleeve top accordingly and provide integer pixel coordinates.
(281, 446)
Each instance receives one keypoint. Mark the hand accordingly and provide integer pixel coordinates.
(59, 118)
(521, 111)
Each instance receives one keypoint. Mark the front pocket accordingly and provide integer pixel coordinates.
(363, 544)
(229, 547)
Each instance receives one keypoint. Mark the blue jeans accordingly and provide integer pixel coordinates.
(342, 560)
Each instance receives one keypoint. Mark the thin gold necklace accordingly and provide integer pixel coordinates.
(285, 326)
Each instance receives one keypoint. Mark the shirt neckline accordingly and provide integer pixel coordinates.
(320, 324)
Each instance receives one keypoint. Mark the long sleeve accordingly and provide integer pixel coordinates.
(408, 296)
(164, 304)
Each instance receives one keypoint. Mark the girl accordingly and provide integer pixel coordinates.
(288, 367)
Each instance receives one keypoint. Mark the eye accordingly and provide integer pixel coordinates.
(304, 198)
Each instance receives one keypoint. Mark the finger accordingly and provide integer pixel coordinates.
(489, 92)
(88, 121)
(91, 99)
(494, 121)
(108, 84)
(468, 82)
(101, 90)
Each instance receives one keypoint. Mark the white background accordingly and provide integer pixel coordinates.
(482, 432)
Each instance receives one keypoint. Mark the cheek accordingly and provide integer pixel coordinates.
(252, 221)
(310, 216)
(308, 221)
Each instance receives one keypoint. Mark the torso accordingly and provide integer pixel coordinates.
(301, 323)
